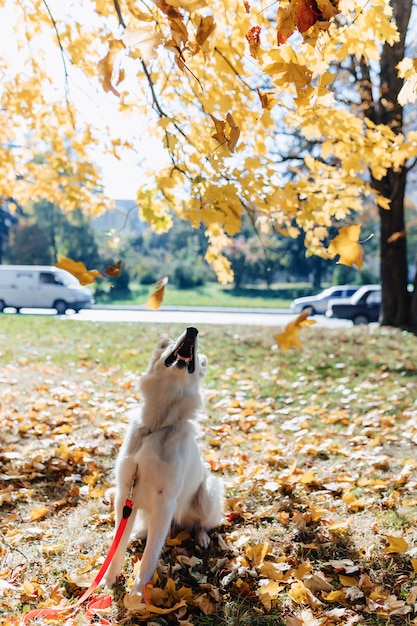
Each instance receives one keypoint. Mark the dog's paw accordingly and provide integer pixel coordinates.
(108, 581)
(202, 538)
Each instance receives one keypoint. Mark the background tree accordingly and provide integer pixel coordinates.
(379, 87)
(28, 245)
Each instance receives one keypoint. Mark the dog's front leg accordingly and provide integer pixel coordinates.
(159, 526)
(116, 564)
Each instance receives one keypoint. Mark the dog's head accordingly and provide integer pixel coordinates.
(180, 355)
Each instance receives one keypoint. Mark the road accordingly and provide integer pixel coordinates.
(186, 315)
(199, 315)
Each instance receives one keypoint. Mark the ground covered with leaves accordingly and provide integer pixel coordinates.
(317, 449)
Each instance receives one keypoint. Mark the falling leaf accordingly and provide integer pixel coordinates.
(107, 65)
(396, 236)
(347, 245)
(155, 299)
(114, 270)
(397, 545)
(289, 337)
(79, 270)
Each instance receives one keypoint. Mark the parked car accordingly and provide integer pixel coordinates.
(362, 308)
(318, 303)
(41, 287)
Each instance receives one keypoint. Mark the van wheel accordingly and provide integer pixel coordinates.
(60, 306)
(2, 306)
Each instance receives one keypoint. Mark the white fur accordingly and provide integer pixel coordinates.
(173, 484)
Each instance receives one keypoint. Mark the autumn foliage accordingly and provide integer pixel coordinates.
(220, 86)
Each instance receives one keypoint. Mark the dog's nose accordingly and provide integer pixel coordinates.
(191, 333)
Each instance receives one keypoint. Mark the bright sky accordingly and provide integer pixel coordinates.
(121, 178)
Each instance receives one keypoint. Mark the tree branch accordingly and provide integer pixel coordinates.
(64, 63)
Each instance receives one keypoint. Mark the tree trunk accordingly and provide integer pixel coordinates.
(393, 250)
(396, 309)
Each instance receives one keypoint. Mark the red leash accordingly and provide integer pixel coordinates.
(103, 601)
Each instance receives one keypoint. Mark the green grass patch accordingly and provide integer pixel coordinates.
(213, 294)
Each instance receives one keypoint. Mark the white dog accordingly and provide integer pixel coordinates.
(160, 449)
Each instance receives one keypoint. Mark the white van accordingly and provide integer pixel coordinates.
(42, 287)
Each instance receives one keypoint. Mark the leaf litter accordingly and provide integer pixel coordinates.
(316, 447)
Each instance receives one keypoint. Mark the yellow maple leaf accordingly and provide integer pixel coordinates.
(397, 545)
(346, 244)
(289, 337)
(79, 270)
(298, 592)
(268, 592)
(155, 299)
(226, 131)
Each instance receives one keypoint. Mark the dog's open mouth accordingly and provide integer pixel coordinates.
(183, 355)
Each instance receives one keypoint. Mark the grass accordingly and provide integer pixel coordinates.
(214, 294)
(316, 448)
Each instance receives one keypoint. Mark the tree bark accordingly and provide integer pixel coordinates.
(396, 301)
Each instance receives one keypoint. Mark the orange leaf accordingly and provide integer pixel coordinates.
(79, 270)
(155, 299)
(39, 513)
(396, 236)
(114, 270)
(254, 40)
(289, 337)
(347, 245)
(306, 14)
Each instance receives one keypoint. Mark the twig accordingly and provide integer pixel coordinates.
(62, 52)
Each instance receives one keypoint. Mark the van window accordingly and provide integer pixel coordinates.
(48, 278)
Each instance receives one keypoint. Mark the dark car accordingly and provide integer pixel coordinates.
(363, 307)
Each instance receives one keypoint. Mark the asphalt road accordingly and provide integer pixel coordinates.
(199, 315)
(186, 315)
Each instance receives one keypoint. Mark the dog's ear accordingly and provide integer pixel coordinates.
(158, 350)
(203, 364)
(163, 343)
